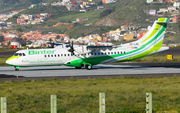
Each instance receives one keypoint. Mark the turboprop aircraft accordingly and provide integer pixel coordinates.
(86, 56)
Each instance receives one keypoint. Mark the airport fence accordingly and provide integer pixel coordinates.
(83, 104)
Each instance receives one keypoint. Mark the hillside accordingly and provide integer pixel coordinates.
(10, 5)
(128, 11)
(101, 21)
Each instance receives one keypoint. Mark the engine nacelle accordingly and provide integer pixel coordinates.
(82, 50)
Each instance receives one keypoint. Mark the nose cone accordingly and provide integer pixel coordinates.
(10, 60)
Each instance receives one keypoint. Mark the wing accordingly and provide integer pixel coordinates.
(98, 48)
(88, 49)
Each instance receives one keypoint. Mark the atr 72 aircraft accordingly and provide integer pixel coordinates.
(82, 55)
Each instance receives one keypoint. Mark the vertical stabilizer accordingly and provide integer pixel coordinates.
(156, 32)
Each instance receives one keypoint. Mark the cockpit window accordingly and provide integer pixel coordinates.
(19, 54)
(16, 54)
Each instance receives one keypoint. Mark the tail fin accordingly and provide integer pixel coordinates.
(156, 33)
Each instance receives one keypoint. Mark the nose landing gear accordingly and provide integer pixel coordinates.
(16, 68)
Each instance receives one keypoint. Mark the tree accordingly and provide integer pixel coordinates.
(106, 12)
(18, 32)
(100, 3)
(9, 43)
(1, 38)
(22, 42)
(57, 37)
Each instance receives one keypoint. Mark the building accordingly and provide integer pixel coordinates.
(99, 38)
(100, 7)
(175, 19)
(107, 1)
(163, 10)
(69, 27)
(15, 42)
(21, 20)
(167, 1)
(171, 9)
(128, 37)
(124, 27)
(176, 4)
(70, 7)
(172, 1)
(79, 19)
(149, 1)
(152, 12)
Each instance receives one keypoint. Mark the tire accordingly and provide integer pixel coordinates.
(78, 67)
(88, 67)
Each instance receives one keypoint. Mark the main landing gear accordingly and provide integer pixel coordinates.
(17, 68)
(87, 66)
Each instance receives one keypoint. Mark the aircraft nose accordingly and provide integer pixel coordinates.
(8, 62)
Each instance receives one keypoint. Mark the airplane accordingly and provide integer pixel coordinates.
(86, 56)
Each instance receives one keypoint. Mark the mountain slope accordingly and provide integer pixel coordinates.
(10, 5)
(130, 11)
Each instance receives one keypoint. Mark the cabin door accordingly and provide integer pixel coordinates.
(130, 52)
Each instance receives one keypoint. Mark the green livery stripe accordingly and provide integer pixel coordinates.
(97, 60)
(158, 26)
(161, 19)
(13, 57)
(35, 65)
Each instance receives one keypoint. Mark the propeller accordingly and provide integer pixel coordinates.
(71, 48)
(52, 44)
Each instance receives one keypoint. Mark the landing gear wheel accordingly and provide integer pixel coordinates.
(78, 67)
(88, 67)
(17, 68)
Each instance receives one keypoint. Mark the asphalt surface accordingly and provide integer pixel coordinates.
(99, 71)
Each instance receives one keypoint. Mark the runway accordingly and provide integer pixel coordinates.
(133, 69)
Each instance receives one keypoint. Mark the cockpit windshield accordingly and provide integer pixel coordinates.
(19, 54)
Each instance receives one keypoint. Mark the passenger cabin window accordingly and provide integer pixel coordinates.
(48, 55)
(117, 52)
(108, 52)
(58, 55)
(114, 52)
(64, 54)
(54, 55)
(44, 55)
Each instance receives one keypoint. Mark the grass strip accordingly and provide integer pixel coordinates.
(123, 94)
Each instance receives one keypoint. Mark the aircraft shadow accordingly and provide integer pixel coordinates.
(8, 76)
